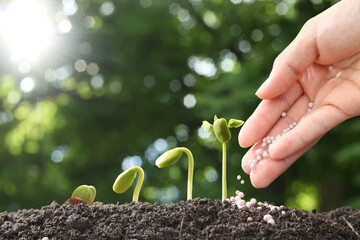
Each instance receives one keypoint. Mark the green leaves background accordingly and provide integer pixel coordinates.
(164, 66)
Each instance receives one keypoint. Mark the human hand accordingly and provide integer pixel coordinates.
(321, 66)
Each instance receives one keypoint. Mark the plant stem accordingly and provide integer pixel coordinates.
(224, 185)
(190, 172)
(138, 184)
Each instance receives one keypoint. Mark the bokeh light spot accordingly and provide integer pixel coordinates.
(211, 174)
(244, 46)
(64, 26)
(89, 22)
(189, 80)
(161, 145)
(24, 66)
(80, 65)
(85, 48)
(115, 87)
(69, 7)
(149, 81)
(211, 19)
(145, 3)
(175, 85)
(131, 161)
(27, 84)
(13, 98)
(189, 101)
(257, 35)
(281, 8)
(97, 81)
(107, 8)
(202, 66)
(92, 69)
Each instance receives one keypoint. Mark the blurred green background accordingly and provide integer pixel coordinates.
(89, 88)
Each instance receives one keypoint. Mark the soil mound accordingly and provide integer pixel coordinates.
(193, 219)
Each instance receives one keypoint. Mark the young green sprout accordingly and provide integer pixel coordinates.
(85, 193)
(223, 135)
(172, 156)
(125, 180)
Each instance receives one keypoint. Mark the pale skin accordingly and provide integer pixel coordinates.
(321, 65)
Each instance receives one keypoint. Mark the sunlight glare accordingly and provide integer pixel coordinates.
(26, 28)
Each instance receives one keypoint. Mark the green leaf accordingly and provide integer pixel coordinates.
(86, 193)
(234, 123)
(169, 158)
(124, 180)
(222, 131)
(208, 127)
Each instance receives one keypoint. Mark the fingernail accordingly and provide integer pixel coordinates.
(262, 87)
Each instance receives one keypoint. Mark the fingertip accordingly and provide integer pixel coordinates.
(262, 88)
(244, 138)
(244, 165)
(258, 182)
(274, 151)
(242, 141)
(266, 91)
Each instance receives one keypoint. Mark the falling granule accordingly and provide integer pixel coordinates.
(242, 181)
(238, 177)
(283, 114)
(283, 212)
(249, 219)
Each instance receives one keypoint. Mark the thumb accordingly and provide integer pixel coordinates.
(292, 62)
(310, 128)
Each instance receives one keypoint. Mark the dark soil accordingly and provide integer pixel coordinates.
(194, 219)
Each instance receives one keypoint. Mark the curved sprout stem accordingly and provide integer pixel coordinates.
(190, 172)
(138, 184)
(224, 185)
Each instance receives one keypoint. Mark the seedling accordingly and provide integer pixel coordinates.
(84, 194)
(125, 180)
(172, 156)
(223, 135)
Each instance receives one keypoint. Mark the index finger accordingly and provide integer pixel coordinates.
(266, 115)
(292, 62)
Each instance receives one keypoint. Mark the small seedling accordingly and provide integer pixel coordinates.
(172, 156)
(83, 194)
(223, 135)
(125, 180)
